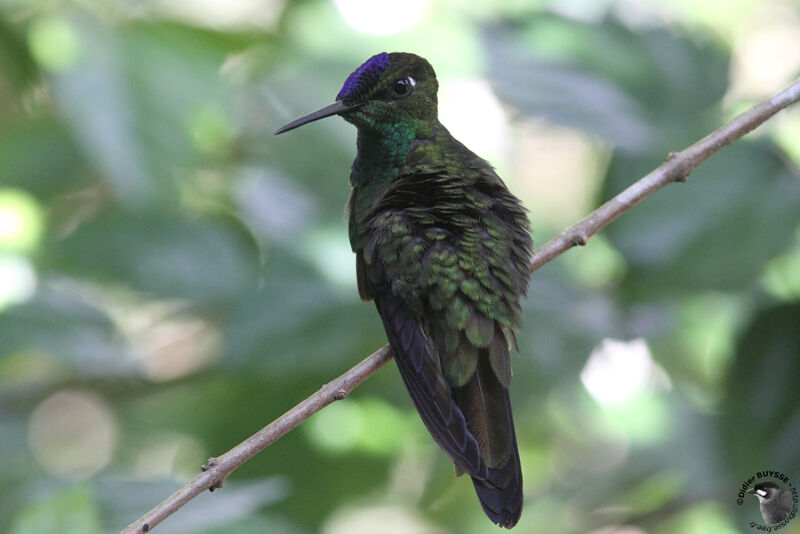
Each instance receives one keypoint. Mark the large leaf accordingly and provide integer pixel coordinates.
(761, 414)
(35, 151)
(146, 100)
(738, 210)
(60, 329)
(166, 255)
(295, 323)
(634, 89)
(16, 64)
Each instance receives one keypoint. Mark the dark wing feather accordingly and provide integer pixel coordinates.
(473, 423)
(431, 394)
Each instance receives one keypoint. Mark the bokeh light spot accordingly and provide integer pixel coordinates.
(704, 516)
(210, 129)
(17, 279)
(329, 250)
(72, 434)
(600, 264)
(367, 425)
(381, 17)
(169, 456)
(231, 14)
(167, 342)
(21, 220)
(473, 114)
(338, 427)
(54, 43)
(781, 276)
(384, 519)
(617, 371)
(387, 427)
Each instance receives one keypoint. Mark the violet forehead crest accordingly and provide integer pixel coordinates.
(363, 78)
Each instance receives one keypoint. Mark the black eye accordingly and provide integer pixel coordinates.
(403, 87)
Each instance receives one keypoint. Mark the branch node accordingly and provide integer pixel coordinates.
(682, 177)
(683, 171)
(211, 463)
(146, 527)
(684, 168)
(339, 394)
(579, 240)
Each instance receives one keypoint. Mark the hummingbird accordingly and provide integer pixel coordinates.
(442, 247)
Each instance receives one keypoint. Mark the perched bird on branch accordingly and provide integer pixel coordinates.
(442, 247)
(775, 502)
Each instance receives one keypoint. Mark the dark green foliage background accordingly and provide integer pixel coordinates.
(166, 199)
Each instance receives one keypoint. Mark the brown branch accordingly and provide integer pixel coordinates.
(676, 169)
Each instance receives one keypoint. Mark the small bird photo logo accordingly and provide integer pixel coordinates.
(777, 499)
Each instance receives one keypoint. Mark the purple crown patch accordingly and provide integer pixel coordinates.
(363, 78)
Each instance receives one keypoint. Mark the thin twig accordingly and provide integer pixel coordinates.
(676, 168)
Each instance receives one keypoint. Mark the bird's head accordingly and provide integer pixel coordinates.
(764, 491)
(386, 91)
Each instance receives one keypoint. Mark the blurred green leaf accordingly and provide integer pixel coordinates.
(265, 333)
(564, 94)
(71, 511)
(703, 516)
(561, 327)
(273, 99)
(33, 151)
(16, 64)
(638, 90)
(60, 329)
(125, 500)
(137, 99)
(256, 525)
(761, 413)
(739, 209)
(197, 259)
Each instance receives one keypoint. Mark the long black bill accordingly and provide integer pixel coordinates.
(334, 109)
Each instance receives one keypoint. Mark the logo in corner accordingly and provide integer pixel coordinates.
(777, 499)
